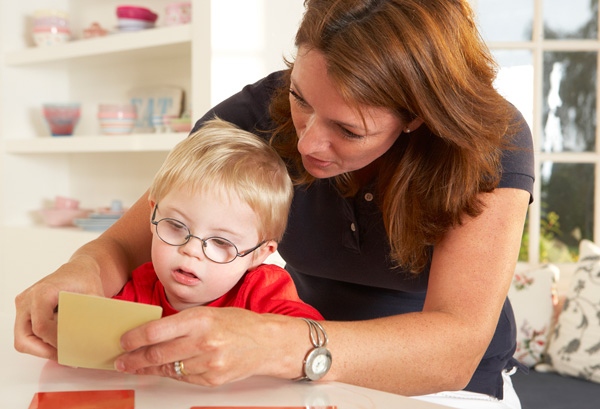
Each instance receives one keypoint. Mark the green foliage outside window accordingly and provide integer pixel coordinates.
(552, 249)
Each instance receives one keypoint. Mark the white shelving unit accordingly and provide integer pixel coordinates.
(94, 168)
(251, 37)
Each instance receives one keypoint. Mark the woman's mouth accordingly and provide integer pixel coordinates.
(315, 162)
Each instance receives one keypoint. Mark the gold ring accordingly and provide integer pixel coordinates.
(179, 370)
(183, 372)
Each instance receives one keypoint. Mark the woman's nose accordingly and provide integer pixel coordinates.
(313, 137)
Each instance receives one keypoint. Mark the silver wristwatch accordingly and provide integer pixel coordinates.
(318, 360)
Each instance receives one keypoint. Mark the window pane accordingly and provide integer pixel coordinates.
(569, 116)
(567, 201)
(505, 20)
(515, 79)
(574, 19)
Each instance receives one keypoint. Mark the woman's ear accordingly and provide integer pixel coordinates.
(413, 125)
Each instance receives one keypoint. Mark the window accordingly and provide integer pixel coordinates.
(547, 51)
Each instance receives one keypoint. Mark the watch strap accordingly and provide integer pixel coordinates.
(318, 339)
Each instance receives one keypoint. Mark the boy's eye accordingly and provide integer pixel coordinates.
(220, 242)
(175, 225)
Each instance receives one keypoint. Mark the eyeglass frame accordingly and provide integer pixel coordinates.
(190, 235)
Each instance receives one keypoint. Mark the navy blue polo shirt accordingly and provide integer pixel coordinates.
(337, 252)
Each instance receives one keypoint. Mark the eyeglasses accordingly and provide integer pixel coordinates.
(216, 249)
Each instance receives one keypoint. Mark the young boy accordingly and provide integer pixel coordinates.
(221, 202)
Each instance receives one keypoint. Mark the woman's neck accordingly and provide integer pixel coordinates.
(365, 175)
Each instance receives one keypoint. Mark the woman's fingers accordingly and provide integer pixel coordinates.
(165, 329)
(216, 346)
(160, 342)
(35, 323)
(36, 308)
(26, 341)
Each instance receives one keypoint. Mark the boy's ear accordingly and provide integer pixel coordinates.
(152, 203)
(261, 254)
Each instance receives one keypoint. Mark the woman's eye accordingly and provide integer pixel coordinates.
(350, 134)
(299, 100)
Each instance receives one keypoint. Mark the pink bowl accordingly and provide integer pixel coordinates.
(63, 217)
(61, 118)
(51, 22)
(139, 13)
(51, 29)
(181, 124)
(117, 115)
(178, 13)
(106, 111)
(62, 202)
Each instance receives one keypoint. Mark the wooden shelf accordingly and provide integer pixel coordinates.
(95, 143)
(171, 39)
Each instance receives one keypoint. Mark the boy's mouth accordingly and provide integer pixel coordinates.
(180, 271)
(185, 277)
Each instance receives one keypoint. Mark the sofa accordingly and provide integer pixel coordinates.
(558, 335)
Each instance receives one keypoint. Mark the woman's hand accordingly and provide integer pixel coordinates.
(216, 346)
(35, 322)
(100, 267)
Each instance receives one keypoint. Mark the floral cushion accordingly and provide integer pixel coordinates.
(575, 342)
(531, 296)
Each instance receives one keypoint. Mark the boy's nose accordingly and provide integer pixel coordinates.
(194, 248)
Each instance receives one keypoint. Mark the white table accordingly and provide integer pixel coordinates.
(23, 375)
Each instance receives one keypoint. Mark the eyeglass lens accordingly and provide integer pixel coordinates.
(176, 233)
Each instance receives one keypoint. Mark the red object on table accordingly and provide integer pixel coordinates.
(116, 399)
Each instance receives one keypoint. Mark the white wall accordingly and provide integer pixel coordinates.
(251, 42)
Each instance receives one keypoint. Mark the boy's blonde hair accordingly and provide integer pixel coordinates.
(222, 155)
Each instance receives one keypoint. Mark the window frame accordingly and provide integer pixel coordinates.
(538, 46)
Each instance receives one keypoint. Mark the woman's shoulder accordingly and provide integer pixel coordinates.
(518, 163)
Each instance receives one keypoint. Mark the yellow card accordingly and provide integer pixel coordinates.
(90, 328)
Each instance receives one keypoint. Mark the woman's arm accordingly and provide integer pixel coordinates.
(440, 348)
(412, 354)
(100, 267)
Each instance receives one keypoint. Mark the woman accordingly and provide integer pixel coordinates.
(414, 178)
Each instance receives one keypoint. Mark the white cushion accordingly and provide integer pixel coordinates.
(575, 342)
(531, 296)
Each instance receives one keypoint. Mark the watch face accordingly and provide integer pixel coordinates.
(318, 363)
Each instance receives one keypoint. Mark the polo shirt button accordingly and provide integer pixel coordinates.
(353, 227)
(369, 197)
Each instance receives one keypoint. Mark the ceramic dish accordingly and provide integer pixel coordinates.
(131, 24)
(90, 224)
(61, 118)
(181, 125)
(138, 13)
(178, 13)
(62, 217)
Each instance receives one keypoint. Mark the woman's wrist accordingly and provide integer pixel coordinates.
(287, 346)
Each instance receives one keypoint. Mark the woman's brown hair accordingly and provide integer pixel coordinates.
(418, 58)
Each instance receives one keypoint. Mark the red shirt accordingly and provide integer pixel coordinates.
(266, 289)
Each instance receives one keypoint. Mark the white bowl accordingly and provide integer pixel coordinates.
(132, 24)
